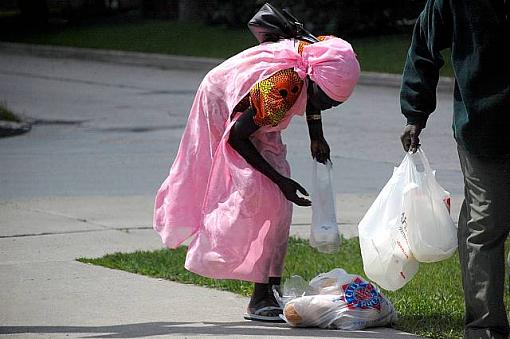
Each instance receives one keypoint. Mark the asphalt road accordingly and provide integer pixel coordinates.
(112, 130)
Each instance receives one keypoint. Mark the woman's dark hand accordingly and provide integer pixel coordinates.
(320, 150)
(289, 189)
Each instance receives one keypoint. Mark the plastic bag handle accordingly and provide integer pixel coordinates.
(423, 158)
(329, 166)
(425, 161)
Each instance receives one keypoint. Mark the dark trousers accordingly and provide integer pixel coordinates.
(484, 224)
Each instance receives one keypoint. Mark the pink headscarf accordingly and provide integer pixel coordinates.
(332, 64)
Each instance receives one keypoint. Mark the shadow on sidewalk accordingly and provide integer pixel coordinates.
(192, 328)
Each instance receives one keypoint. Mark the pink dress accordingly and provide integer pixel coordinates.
(239, 218)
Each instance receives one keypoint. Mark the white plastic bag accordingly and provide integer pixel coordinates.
(337, 300)
(387, 258)
(431, 232)
(324, 233)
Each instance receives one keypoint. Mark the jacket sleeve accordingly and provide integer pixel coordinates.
(432, 34)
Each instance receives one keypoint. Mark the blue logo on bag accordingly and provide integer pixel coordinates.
(361, 294)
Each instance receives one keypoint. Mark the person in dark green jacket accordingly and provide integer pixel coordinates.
(478, 34)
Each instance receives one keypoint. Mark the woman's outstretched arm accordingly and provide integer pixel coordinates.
(239, 139)
(318, 145)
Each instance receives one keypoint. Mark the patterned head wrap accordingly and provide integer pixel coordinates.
(332, 64)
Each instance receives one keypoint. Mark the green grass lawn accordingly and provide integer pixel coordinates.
(6, 114)
(376, 54)
(430, 305)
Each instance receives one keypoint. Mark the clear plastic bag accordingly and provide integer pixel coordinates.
(431, 232)
(324, 233)
(336, 300)
(293, 287)
(387, 258)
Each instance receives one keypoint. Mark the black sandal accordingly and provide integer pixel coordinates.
(257, 315)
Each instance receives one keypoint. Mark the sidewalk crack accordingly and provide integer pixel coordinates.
(121, 229)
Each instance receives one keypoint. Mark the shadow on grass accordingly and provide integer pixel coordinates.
(139, 330)
(443, 325)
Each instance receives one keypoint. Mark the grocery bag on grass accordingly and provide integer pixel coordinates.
(336, 300)
(324, 233)
(431, 232)
(387, 258)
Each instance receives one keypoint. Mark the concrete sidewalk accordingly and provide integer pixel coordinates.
(47, 293)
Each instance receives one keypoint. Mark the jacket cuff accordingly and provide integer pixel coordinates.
(414, 120)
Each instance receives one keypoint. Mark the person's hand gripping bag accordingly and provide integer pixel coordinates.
(324, 233)
(387, 258)
(431, 232)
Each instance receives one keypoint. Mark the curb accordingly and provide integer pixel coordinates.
(110, 56)
(164, 61)
(10, 128)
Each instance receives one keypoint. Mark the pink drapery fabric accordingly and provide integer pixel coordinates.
(240, 218)
(332, 64)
